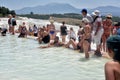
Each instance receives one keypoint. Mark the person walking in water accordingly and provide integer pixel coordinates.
(63, 32)
(98, 32)
(107, 26)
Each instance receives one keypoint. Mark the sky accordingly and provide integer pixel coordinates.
(18, 4)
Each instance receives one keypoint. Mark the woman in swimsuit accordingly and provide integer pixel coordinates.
(86, 39)
(52, 31)
(107, 26)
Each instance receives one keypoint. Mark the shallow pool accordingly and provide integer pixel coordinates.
(21, 59)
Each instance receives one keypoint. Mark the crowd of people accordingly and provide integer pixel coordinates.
(94, 29)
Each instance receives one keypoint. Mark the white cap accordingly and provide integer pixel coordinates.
(97, 12)
(93, 14)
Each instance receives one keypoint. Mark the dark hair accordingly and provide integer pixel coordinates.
(56, 37)
(80, 26)
(113, 43)
(84, 10)
(63, 22)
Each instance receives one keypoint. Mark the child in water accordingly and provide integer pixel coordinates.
(112, 68)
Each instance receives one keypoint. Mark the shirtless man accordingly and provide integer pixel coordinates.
(112, 68)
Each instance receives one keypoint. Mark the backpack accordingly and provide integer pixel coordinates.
(14, 22)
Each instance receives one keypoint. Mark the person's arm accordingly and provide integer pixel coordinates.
(46, 46)
(109, 71)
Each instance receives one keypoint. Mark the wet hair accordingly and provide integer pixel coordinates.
(113, 43)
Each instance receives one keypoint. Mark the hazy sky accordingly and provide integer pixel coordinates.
(18, 4)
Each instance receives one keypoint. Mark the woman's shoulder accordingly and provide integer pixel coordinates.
(112, 64)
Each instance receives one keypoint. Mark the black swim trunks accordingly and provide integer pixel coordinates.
(46, 39)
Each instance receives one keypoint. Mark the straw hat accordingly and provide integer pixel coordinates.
(109, 15)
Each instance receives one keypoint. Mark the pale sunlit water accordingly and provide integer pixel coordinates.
(21, 59)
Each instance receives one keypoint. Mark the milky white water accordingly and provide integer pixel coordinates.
(21, 59)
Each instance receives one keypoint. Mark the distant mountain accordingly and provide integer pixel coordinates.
(51, 8)
(60, 8)
(107, 9)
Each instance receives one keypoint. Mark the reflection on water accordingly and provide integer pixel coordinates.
(21, 59)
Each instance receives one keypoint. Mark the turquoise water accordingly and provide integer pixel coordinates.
(21, 59)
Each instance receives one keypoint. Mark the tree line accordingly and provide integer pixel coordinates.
(5, 11)
(66, 15)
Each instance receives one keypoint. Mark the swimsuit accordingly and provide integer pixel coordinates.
(52, 32)
(89, 40)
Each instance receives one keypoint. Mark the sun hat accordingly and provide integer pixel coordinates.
(109, 16)
(93, 14)
(97, 12)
